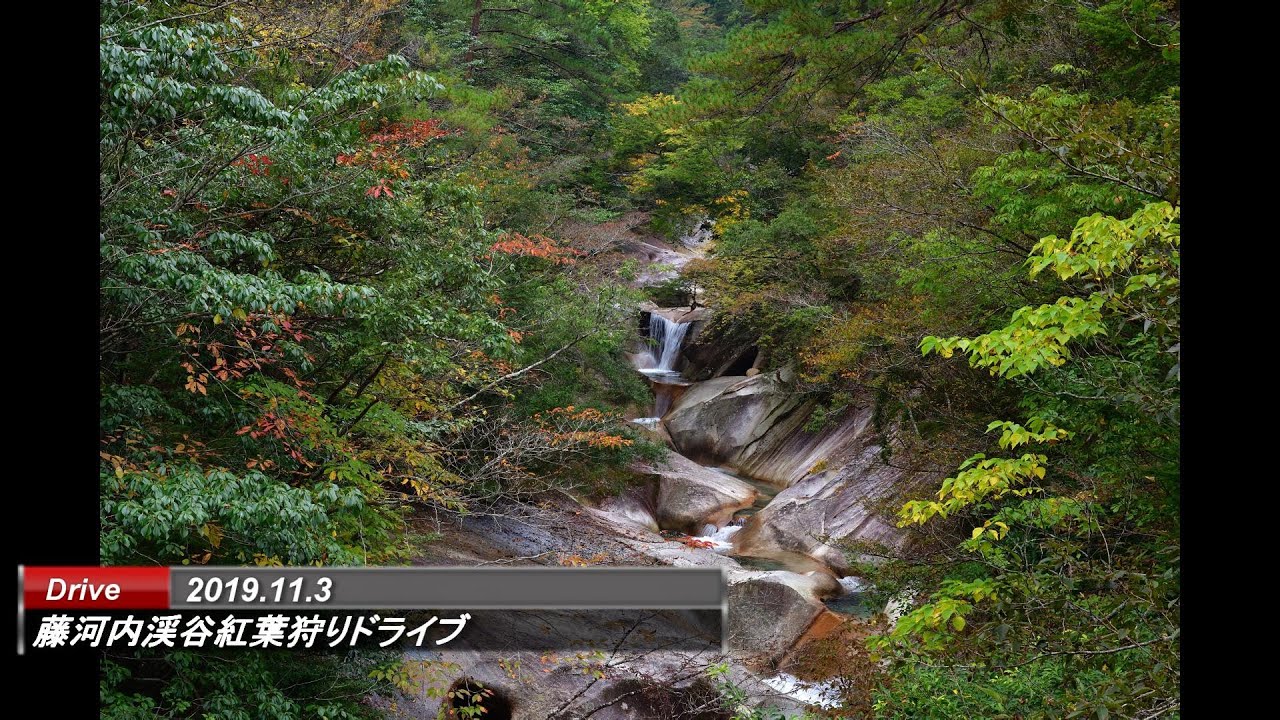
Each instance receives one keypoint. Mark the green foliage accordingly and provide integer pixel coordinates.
(313, 318)
(213, 301)
(564, 59)
(1134, 263)
(931, 693)
(256, 685)
(883, 173)
(300, 291)
(1036, 337)
(1141, 48)
(1132, 268)
(736, 700)
(242, 517)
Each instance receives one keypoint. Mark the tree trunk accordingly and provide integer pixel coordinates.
(470, 55)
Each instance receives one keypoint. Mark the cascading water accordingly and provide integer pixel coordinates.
(670, 335)
(659, 364)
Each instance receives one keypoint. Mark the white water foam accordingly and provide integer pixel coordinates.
(852, 584)
(660, 372)
(822, 694)
(645, 360)
(722, 539)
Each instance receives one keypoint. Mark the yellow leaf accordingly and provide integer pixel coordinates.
(214, 533)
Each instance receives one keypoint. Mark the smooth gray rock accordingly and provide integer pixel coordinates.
(690, 496)
(721, 419)
(839, 488)
(836, 483)
(634, 508)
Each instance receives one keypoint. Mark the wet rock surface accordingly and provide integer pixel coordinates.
(721, 419)
(825, 508)
(836, 480)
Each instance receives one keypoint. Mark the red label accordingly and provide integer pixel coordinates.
(121, 588)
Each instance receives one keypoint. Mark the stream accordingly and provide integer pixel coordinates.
(659, 364)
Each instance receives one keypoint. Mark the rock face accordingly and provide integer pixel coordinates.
(826, 507)
(633, 507)
(689, 496)
(683, 314)
(712, 353)
(835, 479)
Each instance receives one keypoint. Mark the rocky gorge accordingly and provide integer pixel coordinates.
(747, 486)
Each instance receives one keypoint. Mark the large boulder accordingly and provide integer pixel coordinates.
(634, 507)
(721, 419)
(788, 452)
(712, 351)
(769, 611)
(690, 496)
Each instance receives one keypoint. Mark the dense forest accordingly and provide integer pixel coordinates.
(362, 262)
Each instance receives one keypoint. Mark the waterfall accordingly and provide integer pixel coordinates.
(699, 234)
(669, 336)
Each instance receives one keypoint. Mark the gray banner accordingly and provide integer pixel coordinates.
(506, 588)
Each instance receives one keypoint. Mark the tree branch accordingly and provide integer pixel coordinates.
(517, 373)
